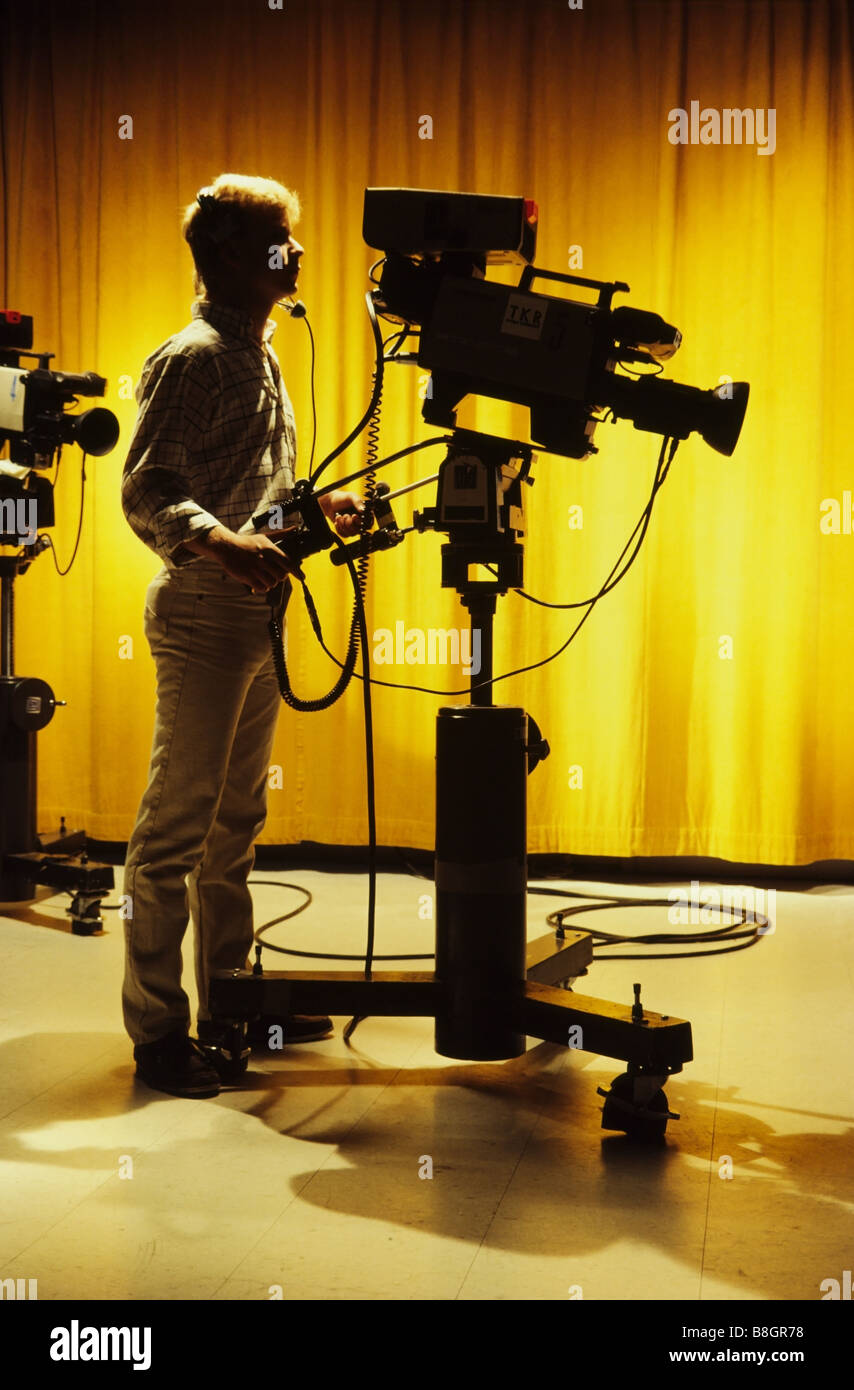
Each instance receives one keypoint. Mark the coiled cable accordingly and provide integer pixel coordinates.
(322, 702)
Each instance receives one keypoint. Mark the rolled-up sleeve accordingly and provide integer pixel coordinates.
(178, 397)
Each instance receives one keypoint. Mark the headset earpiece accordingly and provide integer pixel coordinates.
(219, 220)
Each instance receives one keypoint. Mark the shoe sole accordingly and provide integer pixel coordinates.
(203, 1092)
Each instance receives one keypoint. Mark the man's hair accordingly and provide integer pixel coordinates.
(231, 206)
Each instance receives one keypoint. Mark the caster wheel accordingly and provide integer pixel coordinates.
(636, 1105)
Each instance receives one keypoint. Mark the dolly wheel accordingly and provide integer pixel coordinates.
(633, 1106)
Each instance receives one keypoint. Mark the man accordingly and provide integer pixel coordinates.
(214, 445)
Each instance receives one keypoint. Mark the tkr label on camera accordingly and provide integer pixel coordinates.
(525, 315)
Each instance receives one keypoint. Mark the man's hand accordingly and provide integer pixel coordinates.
(344, 510)
(252, 560)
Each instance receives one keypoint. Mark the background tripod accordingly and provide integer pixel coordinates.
(27, 858)
(36, 425)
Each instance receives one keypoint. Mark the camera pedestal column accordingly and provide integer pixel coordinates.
(481, 861)
(481, 881)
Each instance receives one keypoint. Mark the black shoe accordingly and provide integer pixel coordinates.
(295, 1028)
(226, 1048)
(176, 1064)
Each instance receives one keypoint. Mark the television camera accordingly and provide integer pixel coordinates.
(558, 357)
(35, 422)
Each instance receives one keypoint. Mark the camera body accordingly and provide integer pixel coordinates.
(553, 354)
(34, 402)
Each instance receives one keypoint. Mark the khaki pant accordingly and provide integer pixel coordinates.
(192, 847)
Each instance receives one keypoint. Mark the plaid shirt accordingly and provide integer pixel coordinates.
(215, 439)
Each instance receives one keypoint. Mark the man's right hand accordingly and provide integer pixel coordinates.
(251, 560)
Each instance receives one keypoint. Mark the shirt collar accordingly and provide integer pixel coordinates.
(231, 321)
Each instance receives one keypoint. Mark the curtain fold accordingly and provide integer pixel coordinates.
(705, 707)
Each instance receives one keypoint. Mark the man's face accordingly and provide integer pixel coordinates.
(280, 258)
(269, 258)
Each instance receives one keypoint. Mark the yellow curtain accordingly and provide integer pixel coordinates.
(705, 706)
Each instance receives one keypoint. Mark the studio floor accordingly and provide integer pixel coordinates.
(308, 1182)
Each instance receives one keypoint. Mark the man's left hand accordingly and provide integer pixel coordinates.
(344, 510)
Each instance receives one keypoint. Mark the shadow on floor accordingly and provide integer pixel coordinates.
(790, 1193)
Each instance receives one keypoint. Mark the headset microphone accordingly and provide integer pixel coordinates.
(295, 307)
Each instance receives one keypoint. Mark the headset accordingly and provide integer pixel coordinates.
(219, 222)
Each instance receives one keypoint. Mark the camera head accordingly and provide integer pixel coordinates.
(555, 355)
(34, 401)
